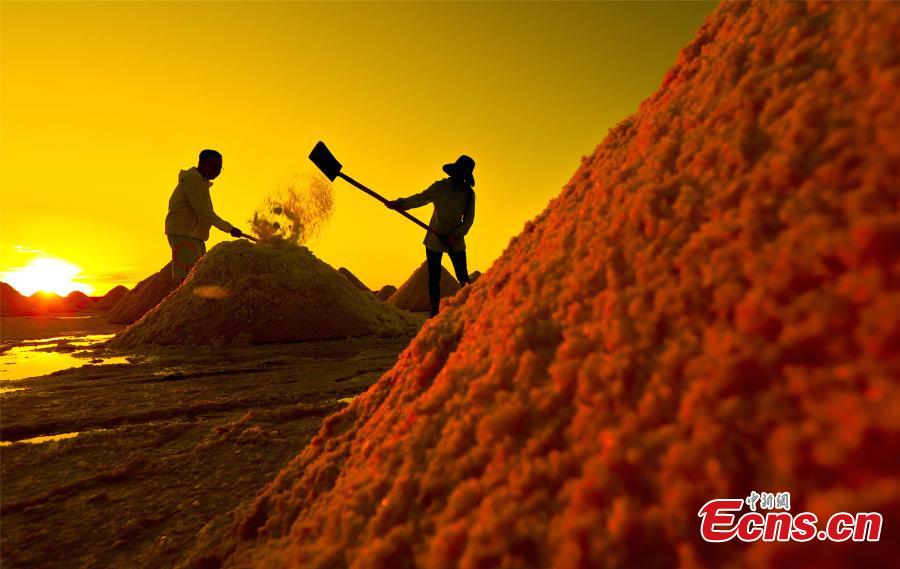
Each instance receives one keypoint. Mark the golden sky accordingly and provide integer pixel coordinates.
(101, 104)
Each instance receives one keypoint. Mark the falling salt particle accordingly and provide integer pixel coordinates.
(296, 211)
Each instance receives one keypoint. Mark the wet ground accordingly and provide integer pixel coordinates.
(124, 459)
(14, 329)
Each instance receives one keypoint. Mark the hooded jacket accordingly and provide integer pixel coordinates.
(454, 212)
(190, 207)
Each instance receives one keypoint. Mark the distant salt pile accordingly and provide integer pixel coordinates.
(385, 292)
(413, 294)
(77, 300)
(51, 303)
(353, 280)
(710, 307)
(474, 276)
(109, 300)
(13, 303)
(241, 293)
(48, 303)
(143, 297)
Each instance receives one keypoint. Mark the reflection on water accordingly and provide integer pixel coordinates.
(37, 357)
(10, 389)
(88, 340)
(347, 399)
(39, 440)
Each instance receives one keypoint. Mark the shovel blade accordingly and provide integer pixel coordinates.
(325, 161)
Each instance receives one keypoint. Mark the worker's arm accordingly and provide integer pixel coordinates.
(417, 200)
(198, 195)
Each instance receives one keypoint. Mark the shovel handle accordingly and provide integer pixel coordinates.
(381, 198)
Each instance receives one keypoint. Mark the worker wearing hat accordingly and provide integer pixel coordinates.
(454, 213)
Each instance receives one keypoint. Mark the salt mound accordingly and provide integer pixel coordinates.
(77, 300)
(413, 294)
(474, 276)
(710, 307)
(50, 302)
(14, 303)
(109, 300)
(352, 278)
(147, 294)
(267, 293)
(386, 292)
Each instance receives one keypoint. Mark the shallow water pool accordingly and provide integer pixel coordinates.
(34, 358)
(40, 440)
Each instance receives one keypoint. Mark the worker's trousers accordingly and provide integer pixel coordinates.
(458, 258)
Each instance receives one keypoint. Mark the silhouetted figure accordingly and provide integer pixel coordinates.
(454, 213)
(191, 214)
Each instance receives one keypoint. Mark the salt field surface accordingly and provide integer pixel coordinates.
(149, 448)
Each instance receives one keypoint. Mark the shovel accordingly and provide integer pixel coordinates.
(328, 164)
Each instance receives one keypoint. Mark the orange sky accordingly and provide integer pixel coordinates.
(101, 104)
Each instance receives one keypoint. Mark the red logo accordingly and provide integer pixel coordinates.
(720, 520)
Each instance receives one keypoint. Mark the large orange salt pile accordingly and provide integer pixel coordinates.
(710, 307)
(241, 293)
(413, 294)
(143, 297)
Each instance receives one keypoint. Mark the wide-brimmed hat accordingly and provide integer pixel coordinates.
(462, 168)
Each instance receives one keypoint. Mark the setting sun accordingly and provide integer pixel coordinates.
(46, 274)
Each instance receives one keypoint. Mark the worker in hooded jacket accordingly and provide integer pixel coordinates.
(191, 214)
(454, 213)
